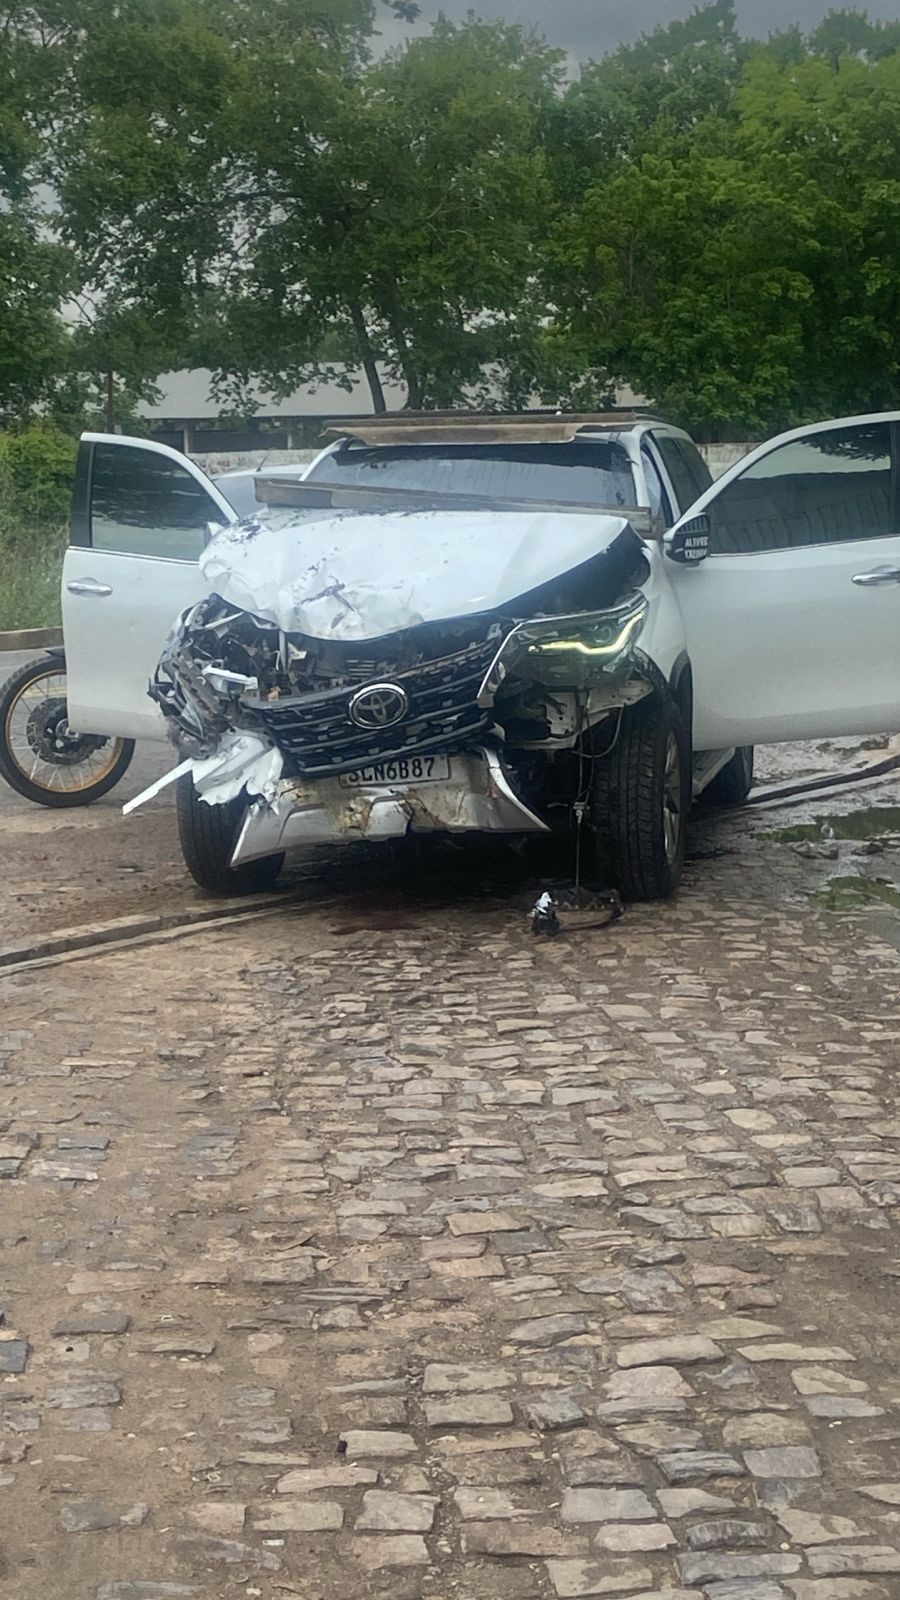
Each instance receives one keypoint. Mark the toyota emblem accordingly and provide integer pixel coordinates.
(378, 706)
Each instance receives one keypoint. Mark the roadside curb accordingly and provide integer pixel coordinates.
(98, 933)
(30, 638)
(795, 793)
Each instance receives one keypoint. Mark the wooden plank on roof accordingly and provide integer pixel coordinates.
(460, 427)
(310, 496)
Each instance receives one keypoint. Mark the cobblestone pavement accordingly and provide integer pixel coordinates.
(63, 869)
(387, 1251)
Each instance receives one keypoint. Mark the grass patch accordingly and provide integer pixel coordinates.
(37, 465)
(29, 582)
(870, 823)
(854, 894)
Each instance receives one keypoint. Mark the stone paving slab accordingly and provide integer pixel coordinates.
(428, 1260)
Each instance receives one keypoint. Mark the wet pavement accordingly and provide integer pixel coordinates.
(66, 869)
(378, 1248)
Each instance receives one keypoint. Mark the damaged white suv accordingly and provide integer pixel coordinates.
(459, 623)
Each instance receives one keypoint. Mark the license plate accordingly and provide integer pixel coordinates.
(403, 769)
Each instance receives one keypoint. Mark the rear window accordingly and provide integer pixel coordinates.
(584, 472)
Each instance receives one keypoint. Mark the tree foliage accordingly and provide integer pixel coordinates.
(735, 255)
(35, 272)
(411, 232)
(249, 185)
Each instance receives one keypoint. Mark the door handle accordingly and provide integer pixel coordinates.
(88, 586)
(877, 577)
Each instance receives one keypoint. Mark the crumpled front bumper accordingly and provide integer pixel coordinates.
(477, 797)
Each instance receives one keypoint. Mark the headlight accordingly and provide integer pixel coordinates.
(601, 638)
(571, 650)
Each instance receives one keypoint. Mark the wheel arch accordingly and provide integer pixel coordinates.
(681, 688)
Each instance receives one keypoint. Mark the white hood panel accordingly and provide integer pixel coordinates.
(364, 575)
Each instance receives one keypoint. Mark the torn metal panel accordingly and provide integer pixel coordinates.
(333, 708)
(242, 764)
(476, 796)
(363, 575)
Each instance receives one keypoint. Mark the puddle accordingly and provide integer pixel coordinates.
(872, 823)
(854, 893)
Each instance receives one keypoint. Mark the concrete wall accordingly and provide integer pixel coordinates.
(232, 461)
(719, 457)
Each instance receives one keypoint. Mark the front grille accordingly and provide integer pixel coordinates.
(315, 731)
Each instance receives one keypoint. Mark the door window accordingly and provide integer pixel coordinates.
(659, 500)
(827, 488)
(686, 467)
(145, 504)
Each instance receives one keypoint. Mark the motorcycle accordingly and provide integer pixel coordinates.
(41, 757)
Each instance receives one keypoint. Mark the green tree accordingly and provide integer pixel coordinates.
(410, 228)
(642, 97)
(740, 268)
(35, 272)
(159, 112)
(850, 33)
(245, 188)
(241, 184)
(829, 131)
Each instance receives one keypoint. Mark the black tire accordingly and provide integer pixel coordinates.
(731, 786)
(208, 835)
(639, 802)
(90, 765)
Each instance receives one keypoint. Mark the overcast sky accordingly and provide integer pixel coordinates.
(591, 27)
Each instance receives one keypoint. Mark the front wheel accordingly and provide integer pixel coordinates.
(639, 801)
(41, 757)
(208, 836)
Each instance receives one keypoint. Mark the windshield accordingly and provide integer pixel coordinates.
(583, 472)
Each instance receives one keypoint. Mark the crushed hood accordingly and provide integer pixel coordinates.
(364, 575)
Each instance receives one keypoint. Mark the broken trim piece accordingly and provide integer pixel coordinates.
(242, 764)
(156, 788)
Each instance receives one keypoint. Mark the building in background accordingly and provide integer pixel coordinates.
(188, 416)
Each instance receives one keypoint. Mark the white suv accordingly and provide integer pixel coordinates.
(475, 623)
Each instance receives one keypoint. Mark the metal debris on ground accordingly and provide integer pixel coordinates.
(816, 852)
(574, 910)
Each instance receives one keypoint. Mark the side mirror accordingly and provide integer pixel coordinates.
(688, 543)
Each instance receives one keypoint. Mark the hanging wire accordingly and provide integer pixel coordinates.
(586, 759)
